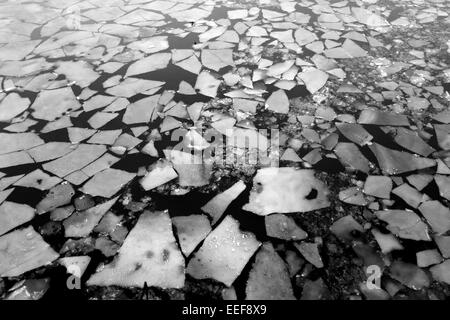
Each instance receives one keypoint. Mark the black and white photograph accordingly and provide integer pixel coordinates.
(218, 156)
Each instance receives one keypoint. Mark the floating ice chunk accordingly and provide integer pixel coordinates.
(10, 142)
(77, 135)
(285, 190)
(395, 162)
(102, 163)
(369, 18)
(151, 63)
(371, 116)
(240, 27)
(278, 102)
(104, 14)
(345, 227)
(279, 68)
(231, 79)
(230, 36)
(378, 186)
(283, 227)
(314, 79)
(13, 215)
(57, 196)
(141, 111)
(177, 110)
(269, 277)
(8, 181)
(224, 253)
(353, 49)
(108, 182)
(5, 194)
(11, 106)
(419, 181)
(76, 178)
(77, 159)
(256, 31)
(405, 224)
(443, 183)
(409, 194)
(190, 64)
(111, 67)
(24, 68)
(161, 173)
(186, 89)
(410, 140)
(97, 102)
(23, 250)
(387, 241)
(79, 71)
(149, 255)
(99, 119)
(207, 84)
(38, 180)
(61, 123)
(126, 141)
(288, 6)
(132, 86)
(139, 15)
(14, 159)
(311, 253)
(192, 169)
(443, 135)
(350, 156)
(410, 275)
(170, 123)
(50, 151)
(190, 15)
(181, 54)
(355, 133)
(303, 36)
(212, 33)
(237, 14)
(52, 104)
(150, 45)
(21, 126)
(118, 105)
(316, 46)
(437, 215)
(283, 36)
(290, 155)
(81, 223)
(353, 195)
(112, 81)
(217, 205)
(217, 59)
(272, 15)
(245, 105)
(17, 50)
(191, 230)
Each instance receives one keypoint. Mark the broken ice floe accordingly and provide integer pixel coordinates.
(224, 265)
(286, 190)
(149, 255)
(23, 250)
